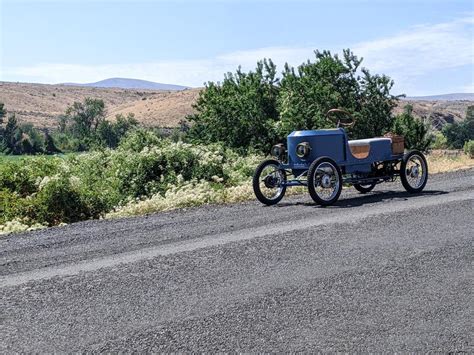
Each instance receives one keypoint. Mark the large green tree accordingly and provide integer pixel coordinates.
(308, 92)
(83, 118)
(240, 111)
(256, 109)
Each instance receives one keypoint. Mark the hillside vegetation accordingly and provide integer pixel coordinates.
(41, 104)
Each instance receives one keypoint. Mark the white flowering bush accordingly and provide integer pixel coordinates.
(16, 226)
(133, 179)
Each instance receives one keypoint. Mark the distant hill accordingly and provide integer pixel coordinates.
(445, 97)
(124, 83)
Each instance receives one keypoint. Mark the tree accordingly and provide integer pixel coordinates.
(459, 133)
(109, 134)
(240, 111)
(3, 145)
(413, 130)
(470, 113)
(332, 82)
(21, 139)
(256, 109)
(49, 144)
(3, 112)
(84, 117)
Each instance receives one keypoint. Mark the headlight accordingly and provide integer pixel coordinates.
(303, 149)
(278, 151)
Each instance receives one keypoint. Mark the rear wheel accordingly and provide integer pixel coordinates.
(364, 188)
(414, 171)
(324, 181)
(268, 182)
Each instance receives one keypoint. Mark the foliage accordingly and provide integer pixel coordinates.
(469, 148)
(240, 111)
(307, 94)
(48, 191)
(109, 134)
(458, 133)
(255, 110)
(138, 139)
(83, 127)
(83, 118)
(439, 141)
(20, 139)
(470, 113)
(413, 130)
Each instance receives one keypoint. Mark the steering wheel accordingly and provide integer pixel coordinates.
(339, 122)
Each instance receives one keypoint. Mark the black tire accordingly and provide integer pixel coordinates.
(257, 179)
(311, 182)
(404, 174)
(364, 188)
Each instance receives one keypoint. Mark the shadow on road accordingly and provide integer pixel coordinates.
(363, 199)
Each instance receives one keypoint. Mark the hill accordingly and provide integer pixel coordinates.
(41, 104)
(124, 83)
(437, 112)
(445, 97)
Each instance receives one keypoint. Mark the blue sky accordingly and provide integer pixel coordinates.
(425, 46)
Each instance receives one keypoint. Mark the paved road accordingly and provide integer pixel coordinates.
(382, 272)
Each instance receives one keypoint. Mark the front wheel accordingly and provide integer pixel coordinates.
(414, 171)
(324, 181)
(269, 182)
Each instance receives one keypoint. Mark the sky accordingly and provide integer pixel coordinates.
(426, 47)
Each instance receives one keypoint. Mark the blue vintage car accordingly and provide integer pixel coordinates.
(325, 159)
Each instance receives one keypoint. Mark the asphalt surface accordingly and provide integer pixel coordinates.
(386, 271)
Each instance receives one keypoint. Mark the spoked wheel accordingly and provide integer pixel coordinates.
(324, 181)
(414, 171)
(268, 182)
(364, 188)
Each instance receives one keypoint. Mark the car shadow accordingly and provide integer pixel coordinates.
(363, 199)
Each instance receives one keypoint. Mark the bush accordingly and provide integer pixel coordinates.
(22, 175)
(138, 139)
(48, 191)
(459, 133)
(439, 141)
(469, 148)
(414, 130)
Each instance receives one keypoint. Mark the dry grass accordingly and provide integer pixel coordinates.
(164, 109)
(439, 163)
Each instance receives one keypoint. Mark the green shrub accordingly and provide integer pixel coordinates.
(439, 141)
(459, 133)
(469, 148)
(9, 205)
(138, 139)
(414, 130)
(60, 201)
(22, 175)
(39, 191)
